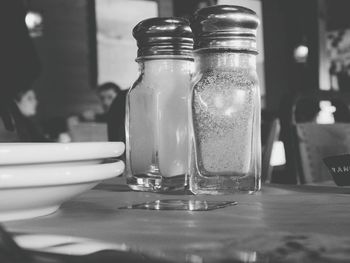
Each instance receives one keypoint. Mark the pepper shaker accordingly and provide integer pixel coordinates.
(225, 102)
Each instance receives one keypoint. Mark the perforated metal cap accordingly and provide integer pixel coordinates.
(163, 36)
(225, 26)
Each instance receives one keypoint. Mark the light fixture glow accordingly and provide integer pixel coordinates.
(300, 53)
(34, 21)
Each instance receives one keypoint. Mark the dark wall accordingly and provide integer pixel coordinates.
(67, 50)
(338, 14)
(276, 51)
(288, 24)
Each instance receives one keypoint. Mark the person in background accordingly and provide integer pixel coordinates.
(106, 93)
(27, 103)
(52, 130)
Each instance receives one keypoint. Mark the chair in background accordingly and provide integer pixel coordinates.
(88, 132)
(314, 141)
(317, 141)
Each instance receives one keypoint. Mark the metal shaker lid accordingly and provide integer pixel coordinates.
(164, 36)
(225, 26)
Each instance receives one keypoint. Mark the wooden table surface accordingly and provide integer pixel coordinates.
(280, 222)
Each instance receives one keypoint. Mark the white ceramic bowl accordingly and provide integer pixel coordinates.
(28, 191)
(30, 153)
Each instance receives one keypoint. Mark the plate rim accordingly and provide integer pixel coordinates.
(27, 153)
(17, 178)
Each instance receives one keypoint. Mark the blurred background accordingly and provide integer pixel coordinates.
(83, 43)
(304, 48)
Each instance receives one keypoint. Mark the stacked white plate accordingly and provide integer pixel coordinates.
(36, 178)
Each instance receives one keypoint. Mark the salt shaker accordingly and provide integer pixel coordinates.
(157, 106)
(225, 153)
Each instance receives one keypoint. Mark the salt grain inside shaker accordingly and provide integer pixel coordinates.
(157, 106)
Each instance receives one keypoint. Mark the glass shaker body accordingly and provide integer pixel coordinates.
(157, 124)
(225, 108)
